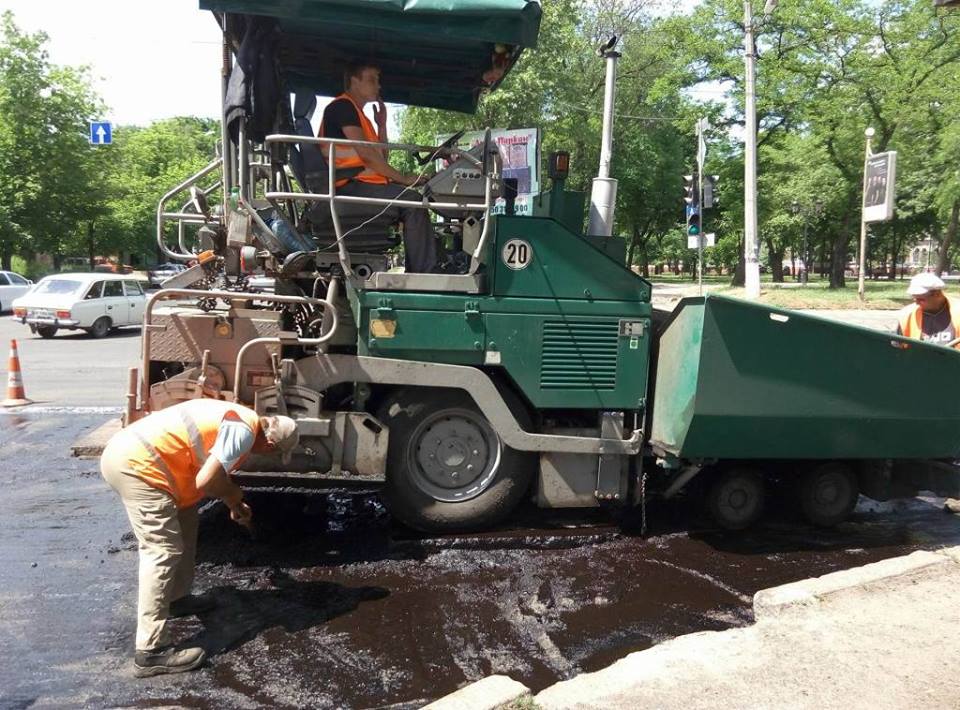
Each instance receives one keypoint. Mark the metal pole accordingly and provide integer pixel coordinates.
(863, 223)
(224, 133)
(806, 251)
(700, 160)
(750, 245)
(603, 196)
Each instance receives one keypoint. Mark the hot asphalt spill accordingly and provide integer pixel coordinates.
(331, 605)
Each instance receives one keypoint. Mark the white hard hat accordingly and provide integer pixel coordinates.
(922, 284)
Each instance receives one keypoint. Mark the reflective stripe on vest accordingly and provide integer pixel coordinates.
(175, 442)
(910, 319)
(347, 158)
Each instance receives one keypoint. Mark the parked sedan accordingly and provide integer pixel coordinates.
(12, 286)
(96, 303)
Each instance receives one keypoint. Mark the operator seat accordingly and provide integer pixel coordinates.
(312, 172)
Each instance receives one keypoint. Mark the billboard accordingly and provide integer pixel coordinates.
(879, 181)
(520, 151)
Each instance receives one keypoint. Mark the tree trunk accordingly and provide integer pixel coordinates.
(6, 259)
(740, 272)
(776, 262)
(91, 249)
(943, 261)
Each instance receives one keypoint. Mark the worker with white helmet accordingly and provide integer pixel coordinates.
(933, 316)
(162, 466)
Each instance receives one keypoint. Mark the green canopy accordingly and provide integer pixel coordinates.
(431, 53)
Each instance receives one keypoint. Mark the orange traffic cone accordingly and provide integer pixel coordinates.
(15, 394)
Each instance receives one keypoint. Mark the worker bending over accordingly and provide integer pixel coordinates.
(161, 467)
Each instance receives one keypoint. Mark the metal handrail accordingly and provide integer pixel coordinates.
(332, 197)
(189, 217)
(228, 296)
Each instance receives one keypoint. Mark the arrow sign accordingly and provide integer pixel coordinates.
(101, 133)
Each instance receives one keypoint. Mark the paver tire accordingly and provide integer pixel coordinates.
(447, 469)
(828, 494)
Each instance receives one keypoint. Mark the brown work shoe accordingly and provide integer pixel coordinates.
(167, 660)
(191, 605)
(951, 505)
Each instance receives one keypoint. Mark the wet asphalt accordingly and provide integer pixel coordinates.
(331, 605)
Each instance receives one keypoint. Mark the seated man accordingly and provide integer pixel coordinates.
(344, 118)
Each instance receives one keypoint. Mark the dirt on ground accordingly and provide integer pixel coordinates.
(330, 604)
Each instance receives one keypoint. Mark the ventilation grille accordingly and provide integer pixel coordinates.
(579, 355)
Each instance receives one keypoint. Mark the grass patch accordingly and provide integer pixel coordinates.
(880, 295)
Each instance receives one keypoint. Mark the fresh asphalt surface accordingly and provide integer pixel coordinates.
(331, 605)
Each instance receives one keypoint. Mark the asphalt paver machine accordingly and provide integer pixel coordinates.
(531, 363)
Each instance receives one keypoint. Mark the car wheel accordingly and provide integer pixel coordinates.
(447, 469)
(46, 331)
(100, 328)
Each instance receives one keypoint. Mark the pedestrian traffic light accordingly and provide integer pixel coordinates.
(710, 196)
(691, 195)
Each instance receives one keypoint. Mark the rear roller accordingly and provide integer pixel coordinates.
(446, 467)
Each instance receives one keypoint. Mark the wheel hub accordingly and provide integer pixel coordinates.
(452, 454)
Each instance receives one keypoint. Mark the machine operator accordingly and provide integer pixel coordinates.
(374, 177)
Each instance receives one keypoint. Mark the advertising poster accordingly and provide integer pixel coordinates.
(520, 151)
(879, 183)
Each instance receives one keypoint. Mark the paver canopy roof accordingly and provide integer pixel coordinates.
(432, 53)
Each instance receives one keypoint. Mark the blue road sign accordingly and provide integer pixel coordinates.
(101, 132)
(692, 210)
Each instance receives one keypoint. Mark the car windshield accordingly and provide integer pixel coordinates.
(59, 286)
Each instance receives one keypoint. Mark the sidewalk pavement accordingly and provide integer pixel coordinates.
(880, 636)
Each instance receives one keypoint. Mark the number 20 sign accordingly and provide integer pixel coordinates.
(517, 254)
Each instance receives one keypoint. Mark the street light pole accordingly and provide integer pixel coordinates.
(751, 247)
(863, 222)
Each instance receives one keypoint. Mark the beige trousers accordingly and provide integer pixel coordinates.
(167, 538)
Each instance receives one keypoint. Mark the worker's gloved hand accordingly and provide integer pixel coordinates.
(241, 514)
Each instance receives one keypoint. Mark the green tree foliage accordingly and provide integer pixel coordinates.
(47, 170)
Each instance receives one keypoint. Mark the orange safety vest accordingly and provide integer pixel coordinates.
(168, 448)
(347, 157)
(911, 320)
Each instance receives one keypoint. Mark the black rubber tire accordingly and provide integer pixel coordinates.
(828, 494)
(736, 498)
(46, 331)
(412, 415)
(100, 328)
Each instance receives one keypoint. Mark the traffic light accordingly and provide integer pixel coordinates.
(710, 196)
(693, 222)
(691, 193)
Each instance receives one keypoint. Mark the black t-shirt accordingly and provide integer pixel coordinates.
(937, 327)
(338, 114)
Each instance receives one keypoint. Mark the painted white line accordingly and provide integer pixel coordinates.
(31, 409)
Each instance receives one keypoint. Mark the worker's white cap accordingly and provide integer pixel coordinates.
(922, 284)
(283, 432)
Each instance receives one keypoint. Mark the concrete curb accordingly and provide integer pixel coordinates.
(488, 694)
(769, 603)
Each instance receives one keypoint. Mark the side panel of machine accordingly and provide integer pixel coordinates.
(539, 258)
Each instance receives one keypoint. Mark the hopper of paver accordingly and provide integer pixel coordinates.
(739, 380)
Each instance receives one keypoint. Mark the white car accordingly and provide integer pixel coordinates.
(12, 286)
(96, 303)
